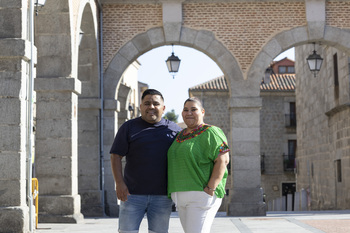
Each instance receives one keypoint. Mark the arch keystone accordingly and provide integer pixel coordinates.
(172, 20)
(316, 18)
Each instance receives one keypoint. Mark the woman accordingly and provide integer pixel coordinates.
(197, 172)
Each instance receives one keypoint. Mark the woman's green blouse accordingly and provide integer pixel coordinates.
(191, 160)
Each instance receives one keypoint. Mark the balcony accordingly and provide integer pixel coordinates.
(288, 163)
(290, 120)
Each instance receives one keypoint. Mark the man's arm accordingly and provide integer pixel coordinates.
(121, 188)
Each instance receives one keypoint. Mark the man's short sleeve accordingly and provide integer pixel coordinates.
(121, 141)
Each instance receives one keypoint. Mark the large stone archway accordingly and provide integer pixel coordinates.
(245, 197)
(90, 161)
(58, 86)
(244, 104)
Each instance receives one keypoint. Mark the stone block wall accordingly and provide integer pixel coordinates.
(274, 138)
(14, 78)
(323, 130)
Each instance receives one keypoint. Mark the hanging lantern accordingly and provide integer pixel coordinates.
(315, 62)
(173, 63)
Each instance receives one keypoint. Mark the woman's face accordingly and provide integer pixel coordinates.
(192, 114)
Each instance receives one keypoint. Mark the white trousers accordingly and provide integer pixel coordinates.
(196, 209)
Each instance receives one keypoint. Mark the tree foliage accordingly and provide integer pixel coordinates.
(171, 116)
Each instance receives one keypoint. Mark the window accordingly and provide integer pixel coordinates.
(282, 69)
(336, 79)
(286, 70)
(338, 167)
(289, 159)
(293, 117)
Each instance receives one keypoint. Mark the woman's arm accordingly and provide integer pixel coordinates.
(220, 164)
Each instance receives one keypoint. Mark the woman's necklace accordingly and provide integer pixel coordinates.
(183, 136)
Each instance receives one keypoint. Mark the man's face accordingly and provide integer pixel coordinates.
(152, 108)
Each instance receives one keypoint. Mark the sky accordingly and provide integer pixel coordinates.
(195, 68)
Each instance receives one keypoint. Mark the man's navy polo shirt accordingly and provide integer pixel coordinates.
(145, 147)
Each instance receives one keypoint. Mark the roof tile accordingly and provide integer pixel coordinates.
(279, 82)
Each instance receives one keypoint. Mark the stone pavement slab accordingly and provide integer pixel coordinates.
(273, 222)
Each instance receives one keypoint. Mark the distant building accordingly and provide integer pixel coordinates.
(323, 130)
(277, 125)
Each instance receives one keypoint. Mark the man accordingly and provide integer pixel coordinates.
(144, 141)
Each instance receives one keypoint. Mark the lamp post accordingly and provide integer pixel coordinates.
(173, 63)
(315, 62)
(81, 34)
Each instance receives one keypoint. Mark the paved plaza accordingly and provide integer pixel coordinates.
(273, 222)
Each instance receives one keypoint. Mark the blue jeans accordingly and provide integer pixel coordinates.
(132, 211)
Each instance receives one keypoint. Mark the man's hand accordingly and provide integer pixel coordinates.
(122, 191)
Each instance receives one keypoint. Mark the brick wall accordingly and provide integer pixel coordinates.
(122, 22)
(243, 27)
(337, 14)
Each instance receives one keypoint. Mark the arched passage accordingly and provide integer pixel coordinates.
(335, 37)
(244, 104)
(57, 89)
(90, 183)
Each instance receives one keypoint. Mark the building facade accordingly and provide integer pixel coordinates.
(323, 116)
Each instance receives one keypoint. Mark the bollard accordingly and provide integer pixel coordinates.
(35, 193)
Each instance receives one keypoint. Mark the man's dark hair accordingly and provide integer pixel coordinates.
(151, 92)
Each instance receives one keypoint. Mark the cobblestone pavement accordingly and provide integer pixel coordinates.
(273, 222)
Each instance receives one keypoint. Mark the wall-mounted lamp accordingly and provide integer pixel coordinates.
(315, 62)
(37, 4)
(267, 74)
(131, 110)
(81, 34)
(173, 63)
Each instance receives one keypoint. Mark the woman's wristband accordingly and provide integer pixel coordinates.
(211, 188)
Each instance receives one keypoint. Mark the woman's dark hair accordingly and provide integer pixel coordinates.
(194, 99)
(151, 92)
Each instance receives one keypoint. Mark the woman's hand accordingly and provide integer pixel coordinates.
(209, 191)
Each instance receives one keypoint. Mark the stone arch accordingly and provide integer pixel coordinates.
(89, 112)
(244, 106)
(201, 40)
(57, 89)
(335, 37)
